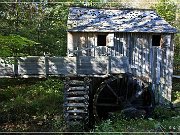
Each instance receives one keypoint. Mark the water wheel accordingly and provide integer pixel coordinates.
(116, 93)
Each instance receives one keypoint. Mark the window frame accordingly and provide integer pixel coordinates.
(103, 39)
(159, 40)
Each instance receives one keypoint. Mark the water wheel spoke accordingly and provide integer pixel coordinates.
(127, 90)
(112, 91)
(122, 83)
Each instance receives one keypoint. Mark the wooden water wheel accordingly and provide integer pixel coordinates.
(116, 93)
(82, 105)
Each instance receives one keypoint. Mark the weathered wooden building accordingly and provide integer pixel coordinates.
(116, 58)
(140, 37)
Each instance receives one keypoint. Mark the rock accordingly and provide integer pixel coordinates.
(132, 112)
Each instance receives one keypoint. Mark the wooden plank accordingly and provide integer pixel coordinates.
(70, 46)
(147, 55)
(151, 70)
(163, 71)
(110, 40)
(136, 55)
(176, 76)
(130, 49)
(92, 65)
(119, 64)
(158, 68)
(120, 44)
(154, 73)
(62, 65)
(83, 43)
(6, 67)
(75, 42)
(31, 65)
(125, 46)
(169, 67)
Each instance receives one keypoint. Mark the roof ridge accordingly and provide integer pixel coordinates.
(113, 8)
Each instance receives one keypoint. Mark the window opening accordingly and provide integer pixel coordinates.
(156, 40)
(101, 40)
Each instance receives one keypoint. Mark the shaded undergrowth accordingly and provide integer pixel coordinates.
(36, 105)
(31, 105)
(163, 120)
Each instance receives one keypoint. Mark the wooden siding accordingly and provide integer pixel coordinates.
(82, 41)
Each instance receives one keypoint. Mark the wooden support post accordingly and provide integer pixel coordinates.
(46, 60)
(15, 66)
(70, 44)
(109, 65)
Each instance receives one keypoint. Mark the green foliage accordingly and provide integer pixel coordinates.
(176, 90)
(105, 126)
(41, 22)
(13, 45)
(161, 113)
(167, 10)
(177, 94)
(37, 105)
(54, 36)
(118, 123)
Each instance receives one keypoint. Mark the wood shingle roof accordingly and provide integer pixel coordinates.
(121, 20)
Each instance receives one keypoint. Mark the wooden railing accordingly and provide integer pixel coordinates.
(96, 51)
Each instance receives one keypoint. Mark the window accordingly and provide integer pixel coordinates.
(156, 40)
(101, 40)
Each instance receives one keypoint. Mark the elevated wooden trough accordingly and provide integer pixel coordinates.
(40, 66)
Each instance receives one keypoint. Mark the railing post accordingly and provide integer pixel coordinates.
(15, 66)
(46, 65)
(108, 64)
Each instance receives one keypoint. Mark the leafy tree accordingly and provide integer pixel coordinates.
(41, 22)
(14, 45)
(167, 10)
